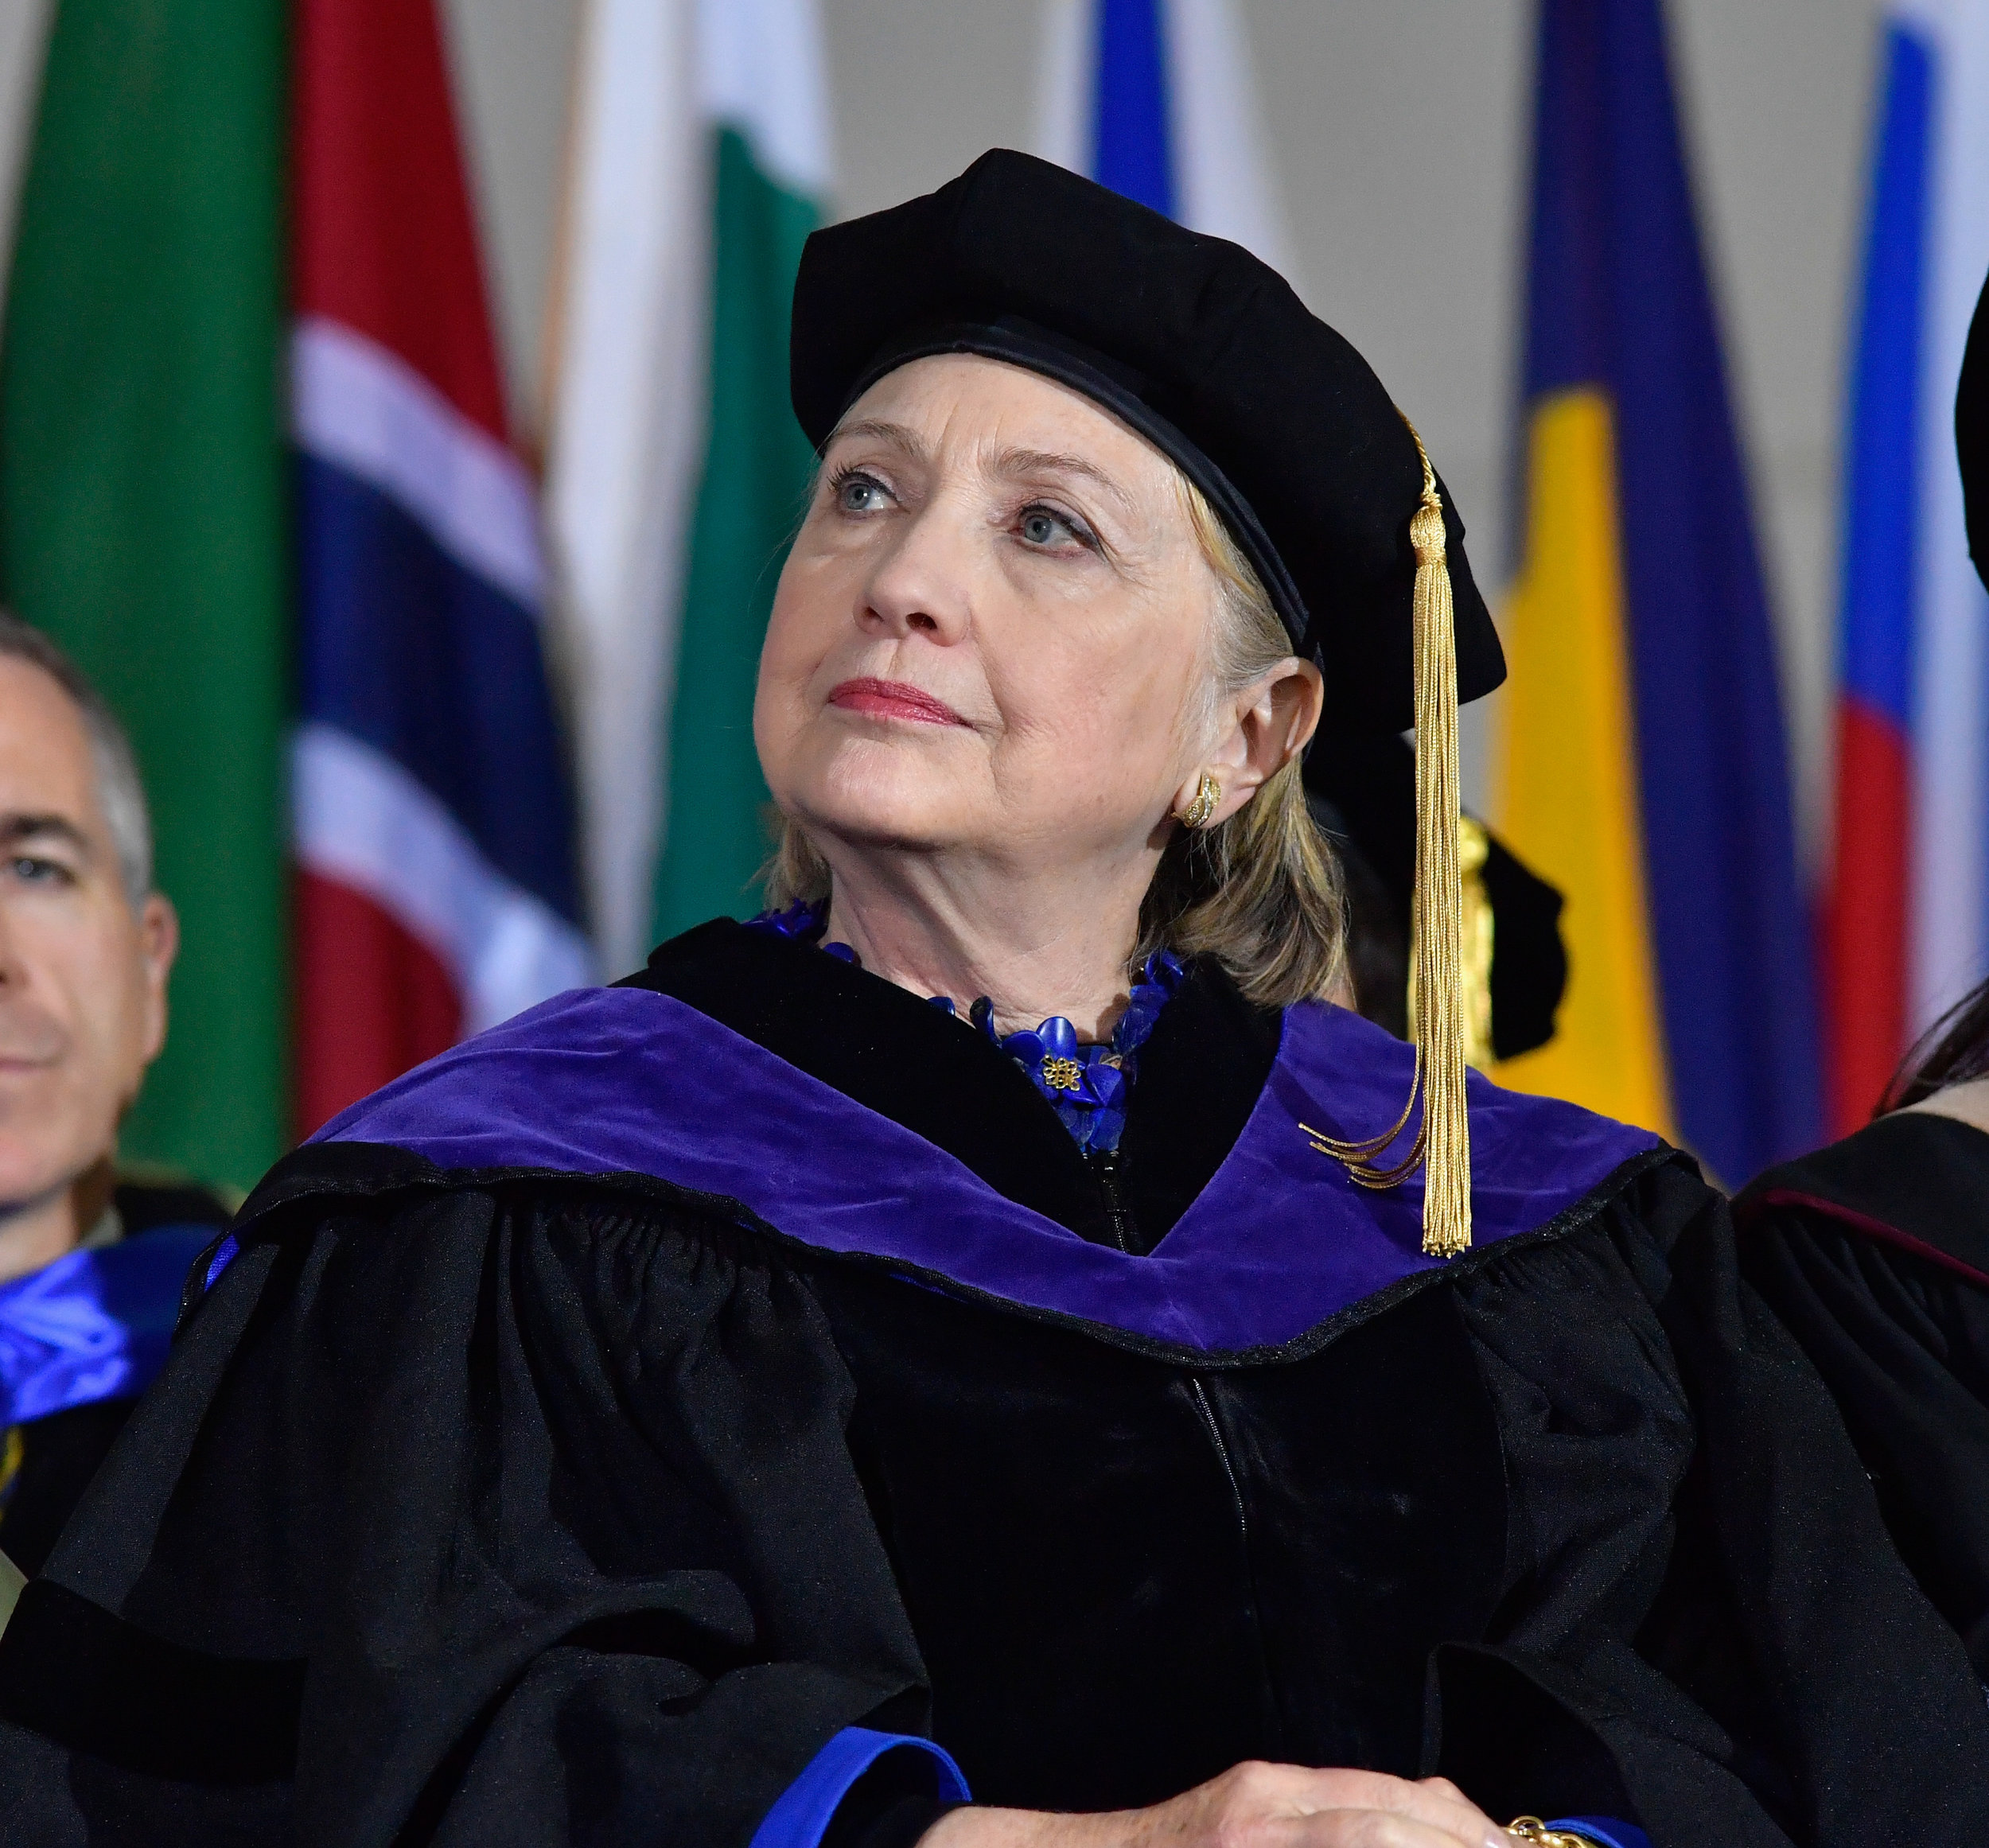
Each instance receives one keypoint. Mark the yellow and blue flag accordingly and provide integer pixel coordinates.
(1641, 763)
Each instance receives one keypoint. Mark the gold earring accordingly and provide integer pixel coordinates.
(1208, 793)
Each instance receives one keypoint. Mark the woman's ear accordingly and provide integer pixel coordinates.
(1267, 724)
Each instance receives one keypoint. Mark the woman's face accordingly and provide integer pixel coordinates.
(991, 631)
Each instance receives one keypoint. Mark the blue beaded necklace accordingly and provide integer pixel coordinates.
(1086, 1083)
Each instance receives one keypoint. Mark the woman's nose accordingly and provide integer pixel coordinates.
(923, 584)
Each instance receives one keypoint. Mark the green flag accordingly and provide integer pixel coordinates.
(142, 499)
(757, 466)
(676, 472)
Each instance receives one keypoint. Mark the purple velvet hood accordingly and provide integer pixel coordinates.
(607, 1081)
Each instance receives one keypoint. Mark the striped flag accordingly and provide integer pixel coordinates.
(700, 163)
(382, 626)
(1642, 765)
(1907, 927)
(436, 890)
(1155, 100)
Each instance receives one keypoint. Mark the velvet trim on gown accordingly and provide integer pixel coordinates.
(899, 1135)
(501, 1491)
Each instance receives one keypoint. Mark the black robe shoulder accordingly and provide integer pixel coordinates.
(507, 1505)
(1875, 1252)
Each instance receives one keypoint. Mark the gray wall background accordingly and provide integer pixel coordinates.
(1398, 130)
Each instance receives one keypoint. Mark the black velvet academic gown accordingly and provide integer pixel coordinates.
(498, 1505)
(1875, 1252)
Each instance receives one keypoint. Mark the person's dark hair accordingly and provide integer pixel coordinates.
(1952, 1051)
(119, 789)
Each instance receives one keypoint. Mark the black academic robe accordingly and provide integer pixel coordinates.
(501, 1489)
(1875, 1252)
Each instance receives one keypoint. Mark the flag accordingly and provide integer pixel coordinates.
(701, 161)
(1640, 763)
(1155, 100)
(437, 891)
(141, 500)
(1906, 921)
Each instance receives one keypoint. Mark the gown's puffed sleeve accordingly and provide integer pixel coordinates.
(1903, 1344)
(1875, 1253)
(523, 1516)
(1703, 1618)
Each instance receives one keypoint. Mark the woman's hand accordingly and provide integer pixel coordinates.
(1249, 1806)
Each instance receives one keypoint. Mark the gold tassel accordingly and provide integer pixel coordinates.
(1442, 1145)
(1474, 848)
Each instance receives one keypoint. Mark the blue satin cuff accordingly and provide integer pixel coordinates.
(1605, 1831)
(801, 1813)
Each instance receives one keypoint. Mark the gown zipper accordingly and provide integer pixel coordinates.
(1105, 1164)
(1274, 1707)
(1222, 1451)
(1118, 1214)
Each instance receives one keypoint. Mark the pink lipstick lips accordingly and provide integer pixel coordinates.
(893, 699)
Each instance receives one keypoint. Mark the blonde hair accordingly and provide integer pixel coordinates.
(1261, 893)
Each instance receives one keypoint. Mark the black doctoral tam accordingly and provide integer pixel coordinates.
(1201, 347)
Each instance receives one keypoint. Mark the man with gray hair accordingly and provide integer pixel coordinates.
(90, 1270)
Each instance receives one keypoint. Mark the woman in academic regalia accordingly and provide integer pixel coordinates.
(988, 1326)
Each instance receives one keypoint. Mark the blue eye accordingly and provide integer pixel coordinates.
(861, 493)
(32, 871)
(1046, 528)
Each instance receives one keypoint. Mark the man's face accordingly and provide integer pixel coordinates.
(81, 976)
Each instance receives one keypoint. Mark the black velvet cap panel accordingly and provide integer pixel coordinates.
(1193, 341)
